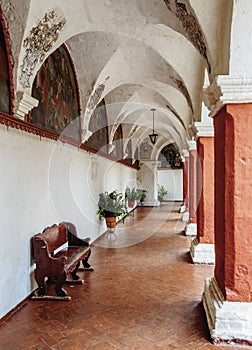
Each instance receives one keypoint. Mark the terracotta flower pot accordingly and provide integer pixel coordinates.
(111, 222)
(131, 203)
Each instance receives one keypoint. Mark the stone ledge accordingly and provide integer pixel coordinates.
(228, 322)
(185, 216)
(191, 229)
(202, 253)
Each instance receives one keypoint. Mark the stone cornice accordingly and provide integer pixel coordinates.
(192, 145)
(226, 89)
(204, 129)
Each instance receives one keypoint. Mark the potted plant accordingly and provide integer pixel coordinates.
(131, 195)
(110, 206)
(142, 195)
(161, 192)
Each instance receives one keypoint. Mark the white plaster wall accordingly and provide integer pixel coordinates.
(172, 180)
(45, 182)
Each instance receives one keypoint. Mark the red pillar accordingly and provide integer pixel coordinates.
(193, 187)
(191, 228)
(233, 193)
(205, 211)
(186, 184)
(227, 297)
(202, 247)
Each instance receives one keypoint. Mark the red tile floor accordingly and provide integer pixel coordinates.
(144, 294)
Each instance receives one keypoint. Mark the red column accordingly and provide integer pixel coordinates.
(186, 184)
(193, 187)
(205, 211)
(233, 198)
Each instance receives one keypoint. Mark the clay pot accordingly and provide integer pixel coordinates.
(131, 203)
(111, 222)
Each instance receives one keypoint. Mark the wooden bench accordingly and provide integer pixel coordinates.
(58, 253)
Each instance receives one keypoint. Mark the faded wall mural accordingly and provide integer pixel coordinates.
(170, 157)
(4, 76)
(99, 126)
(56, 89)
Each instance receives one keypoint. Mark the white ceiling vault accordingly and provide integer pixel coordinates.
(136, 54)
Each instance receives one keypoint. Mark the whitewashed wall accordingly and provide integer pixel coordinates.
(172, 180)
(45, 182)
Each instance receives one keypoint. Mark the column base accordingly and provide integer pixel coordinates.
(228, 322)
(150, 203)
(191, 229)
(182, 208)
(185, 216)
(202, 253)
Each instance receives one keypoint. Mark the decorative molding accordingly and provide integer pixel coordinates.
(192, 145)
(228, 322)
(19, 124)
(39, 41)
(202, 253)
(204, 129)
(25, 103)
(16, 123)
(226, 89)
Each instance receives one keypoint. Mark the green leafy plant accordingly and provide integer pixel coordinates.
(142, 194)
(111, 205)
(161, 192)
(132, 194)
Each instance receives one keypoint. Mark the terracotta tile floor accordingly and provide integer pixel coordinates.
(144, 294)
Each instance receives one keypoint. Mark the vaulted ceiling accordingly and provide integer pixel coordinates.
(136, 54)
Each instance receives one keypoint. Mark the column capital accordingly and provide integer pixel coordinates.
(184, 154)
(192, 145)
(25, 103)
(204, 129)
(227, 89)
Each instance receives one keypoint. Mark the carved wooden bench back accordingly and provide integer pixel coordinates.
(55, 236)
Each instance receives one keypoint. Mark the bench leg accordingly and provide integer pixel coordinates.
(85, 263)
(60, 292)
(40, 279)
(74, 275)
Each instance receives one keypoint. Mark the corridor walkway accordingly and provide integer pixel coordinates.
(143, 294)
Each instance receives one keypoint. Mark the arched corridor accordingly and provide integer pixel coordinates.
(143, 296)
(109, 105)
